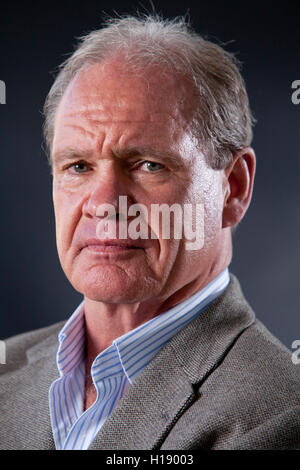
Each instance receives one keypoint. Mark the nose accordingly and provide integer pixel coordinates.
(108, 184)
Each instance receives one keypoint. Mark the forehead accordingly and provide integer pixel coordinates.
(113, 91)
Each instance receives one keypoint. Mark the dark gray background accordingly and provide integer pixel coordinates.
(35, 38)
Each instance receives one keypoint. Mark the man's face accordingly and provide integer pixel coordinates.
(118, 133)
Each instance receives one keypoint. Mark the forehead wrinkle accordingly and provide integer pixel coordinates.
(81, 129)
(151, 117)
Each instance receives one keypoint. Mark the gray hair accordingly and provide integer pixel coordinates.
(222, 120)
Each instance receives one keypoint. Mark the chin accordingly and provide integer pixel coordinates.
(115, 288)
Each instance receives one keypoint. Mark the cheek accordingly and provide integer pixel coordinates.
(68, 210)
(207, 190)
(213, 213)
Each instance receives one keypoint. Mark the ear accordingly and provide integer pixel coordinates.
(238, 186)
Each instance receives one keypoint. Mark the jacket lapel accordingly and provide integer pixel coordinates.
(132, 425)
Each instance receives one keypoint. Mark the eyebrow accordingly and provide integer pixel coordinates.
(137, 151)
(70, 154)
(129, 152)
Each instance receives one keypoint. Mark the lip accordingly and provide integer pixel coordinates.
(110, 246)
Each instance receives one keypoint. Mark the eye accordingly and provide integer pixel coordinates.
(152, 166)
(80, 167)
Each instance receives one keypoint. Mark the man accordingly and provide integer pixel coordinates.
(164, 352)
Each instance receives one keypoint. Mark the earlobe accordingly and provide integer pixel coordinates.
(239, 177)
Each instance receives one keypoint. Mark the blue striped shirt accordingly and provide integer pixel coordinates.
(114, 369)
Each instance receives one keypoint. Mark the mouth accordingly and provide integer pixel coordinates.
(110, 246)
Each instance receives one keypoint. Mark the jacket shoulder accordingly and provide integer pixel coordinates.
(247, 388)
(21, 348)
